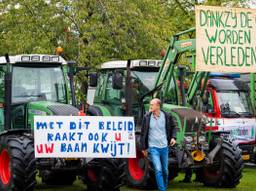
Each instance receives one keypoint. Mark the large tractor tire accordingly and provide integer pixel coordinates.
(58, 177)
(104, 174)
(140, 172)
(227, 168)
(17, 163)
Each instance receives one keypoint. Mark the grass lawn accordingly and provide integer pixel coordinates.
(247, 183)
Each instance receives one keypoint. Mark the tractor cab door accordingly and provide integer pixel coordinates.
(113, 97)
(209, 103)
(124, 91)
(136, 93)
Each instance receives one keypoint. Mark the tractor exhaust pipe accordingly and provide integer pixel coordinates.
(8, 94)
(182, 88)
(128, 90)
(71, 73)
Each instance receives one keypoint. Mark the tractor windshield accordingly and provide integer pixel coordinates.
(234, 104)
(146, 80)
(38, 84)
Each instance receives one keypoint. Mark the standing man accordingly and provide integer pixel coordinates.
(158, 131)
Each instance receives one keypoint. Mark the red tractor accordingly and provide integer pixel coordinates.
(227, 104)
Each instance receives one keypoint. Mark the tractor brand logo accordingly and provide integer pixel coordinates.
(213, 121)
(243, 132)
(185, 44)
(239, 132)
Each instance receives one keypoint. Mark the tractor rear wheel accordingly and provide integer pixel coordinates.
(227, 168)
(17, 163)
(104, 174)
(58, 177)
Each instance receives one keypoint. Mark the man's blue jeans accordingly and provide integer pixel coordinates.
(159, 158)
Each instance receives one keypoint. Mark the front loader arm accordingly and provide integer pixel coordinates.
(175, 49)
(166, 72)
(198, 83)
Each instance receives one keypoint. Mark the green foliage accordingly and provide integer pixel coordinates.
(94, 31)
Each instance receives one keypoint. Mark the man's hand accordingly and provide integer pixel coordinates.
(172, 142)
(145, 153)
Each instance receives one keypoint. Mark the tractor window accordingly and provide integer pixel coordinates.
(234, 103)
(111, 94)
(142, 83)
(172, 93)
(145, 79)
(40, 83)
(99, 88)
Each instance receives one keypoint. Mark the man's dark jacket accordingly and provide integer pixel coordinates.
(169, 125)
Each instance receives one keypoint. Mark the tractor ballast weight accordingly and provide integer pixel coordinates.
(34, 85)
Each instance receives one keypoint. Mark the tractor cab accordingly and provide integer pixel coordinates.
(121, 82)
(228, 105)
(38, 86)
(228, 97)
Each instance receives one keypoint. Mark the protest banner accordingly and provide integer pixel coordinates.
(225, 39)
(84, 136)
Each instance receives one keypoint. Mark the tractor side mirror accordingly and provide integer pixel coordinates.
(71, 67)
(117, 81)
(93, 78)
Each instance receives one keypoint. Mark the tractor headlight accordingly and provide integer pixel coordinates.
(188, 139)
(201, 139)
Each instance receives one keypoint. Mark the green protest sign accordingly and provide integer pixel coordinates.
(225, 39)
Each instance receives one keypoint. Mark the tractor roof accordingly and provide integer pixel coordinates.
(228, 84)
(34, 58)
(118, 64)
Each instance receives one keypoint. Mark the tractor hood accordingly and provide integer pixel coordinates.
(51, 108)
(190, 119)
(187, 119)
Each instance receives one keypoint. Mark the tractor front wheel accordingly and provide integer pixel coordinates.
(104, 174)
(227, 168)
(17, 163)
(139, 172)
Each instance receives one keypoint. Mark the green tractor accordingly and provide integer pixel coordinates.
(124, 88)
(33, 85)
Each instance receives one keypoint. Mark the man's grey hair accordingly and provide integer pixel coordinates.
(157, 100)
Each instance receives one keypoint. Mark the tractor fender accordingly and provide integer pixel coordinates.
(98, 110)
(216, 149)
